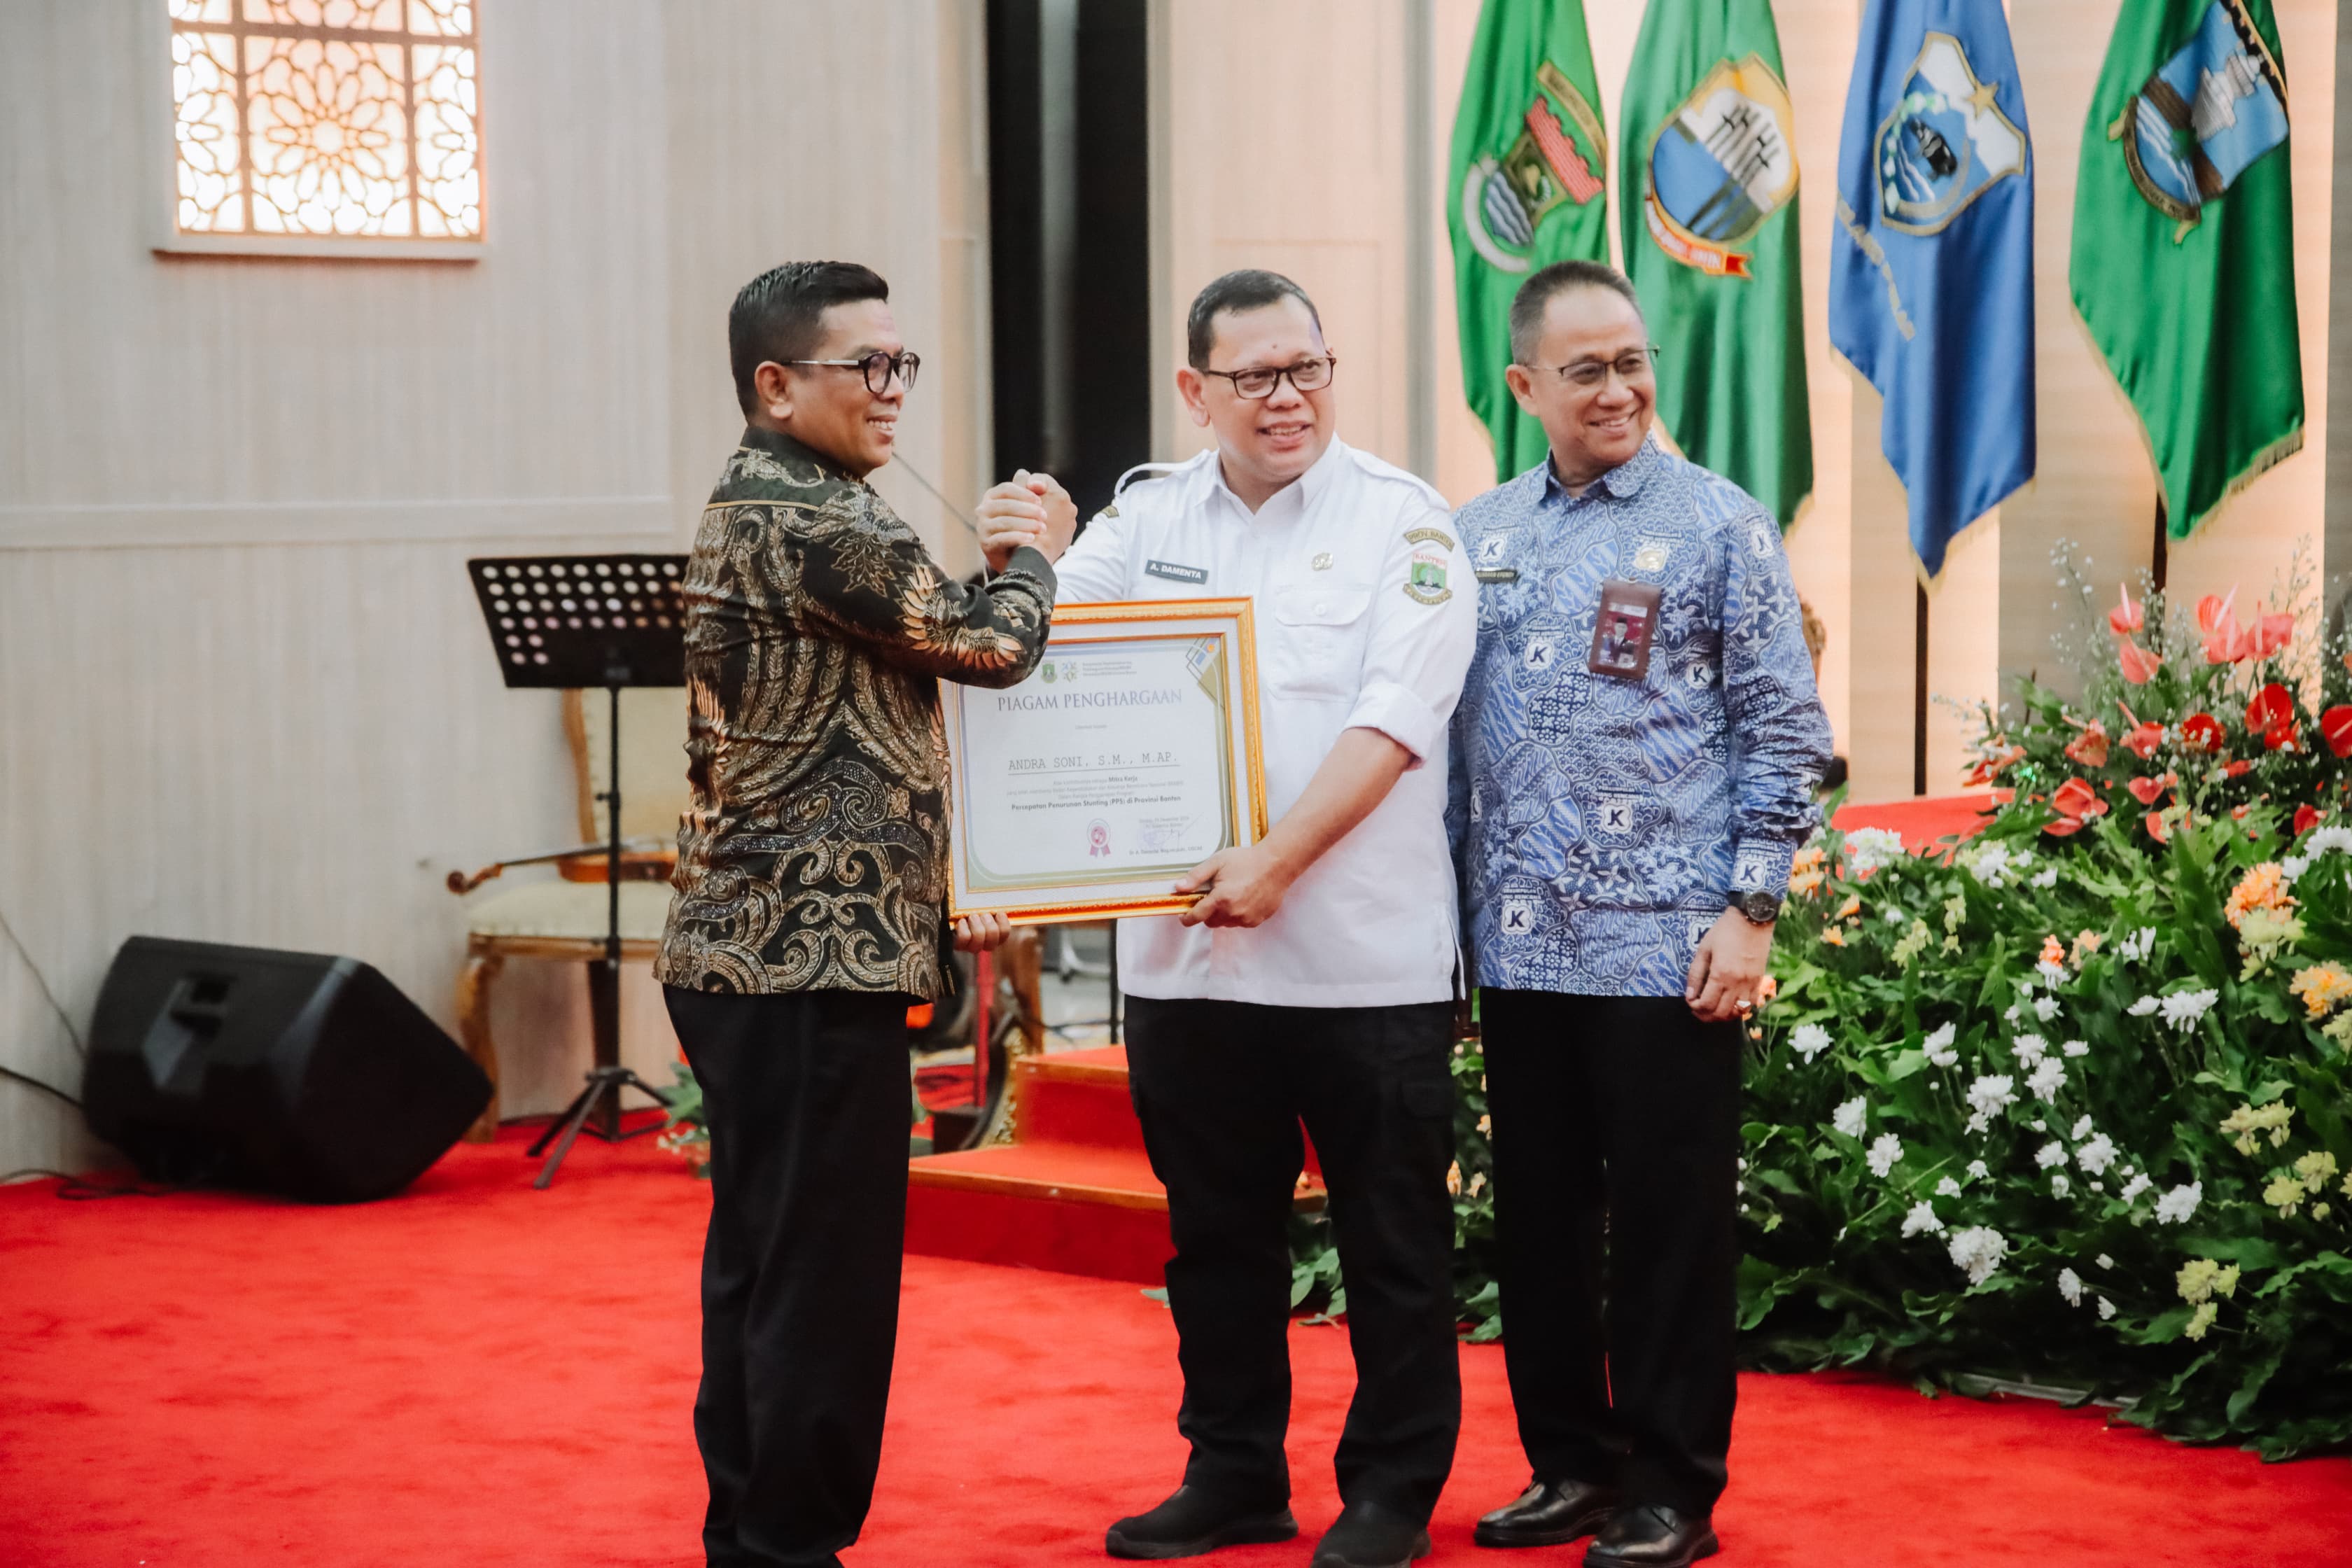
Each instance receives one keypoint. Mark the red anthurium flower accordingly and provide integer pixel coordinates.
(2150, 788)
(2127, 617)
(2282, 738)
(2089, 749)
(2237, 769)
(2139, 666)
(2077, 798)
(2212, 611)
(2335, 729)
(2273, 633)
(2273, 708)
(2143, 740)
(2154, 822)
(2306, 819)
(2201, 732)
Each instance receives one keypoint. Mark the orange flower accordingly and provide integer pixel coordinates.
(2085, 944)
(2089, 749)
(2139, 666)
(2075, 803)
(2154, 823)
(1852, 905)
(2271, 634)
(2052, 951)
(1765, 990)
(2263, 888)
(1834, 935)
(2147, 788)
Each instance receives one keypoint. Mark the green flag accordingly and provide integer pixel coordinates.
(1530, 162)
(1709, 213)
(2184, 244)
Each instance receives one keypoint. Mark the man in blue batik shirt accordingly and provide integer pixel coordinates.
(1635, 755)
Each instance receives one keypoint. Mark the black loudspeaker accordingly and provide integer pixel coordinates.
(291, 1072)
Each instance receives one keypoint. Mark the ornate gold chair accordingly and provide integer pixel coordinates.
(563, 916)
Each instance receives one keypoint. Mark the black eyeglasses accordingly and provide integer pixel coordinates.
(1312, 373)
(878, 368)
(1590, 374)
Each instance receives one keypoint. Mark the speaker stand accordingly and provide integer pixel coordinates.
(597, 1107)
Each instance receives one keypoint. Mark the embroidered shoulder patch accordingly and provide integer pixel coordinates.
(1424, 576)
(1110, 511)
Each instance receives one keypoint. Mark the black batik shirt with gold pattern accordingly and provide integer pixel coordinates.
(814, 852)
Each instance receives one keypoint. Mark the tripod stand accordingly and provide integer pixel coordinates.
(612, 621)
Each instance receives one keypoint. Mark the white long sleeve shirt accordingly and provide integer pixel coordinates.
(1366, 615)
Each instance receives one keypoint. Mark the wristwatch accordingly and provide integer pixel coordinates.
(1760, 909)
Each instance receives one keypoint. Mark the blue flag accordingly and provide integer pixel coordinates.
(1931, 273)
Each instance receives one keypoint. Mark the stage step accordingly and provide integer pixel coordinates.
(1072, 1193)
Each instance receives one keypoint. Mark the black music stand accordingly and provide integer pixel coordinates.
(572, 622)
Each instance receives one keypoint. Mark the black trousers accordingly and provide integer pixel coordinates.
(1616, 1126)
(806, 1096)
(1221, 1088)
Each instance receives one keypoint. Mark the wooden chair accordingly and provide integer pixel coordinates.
(563, 916)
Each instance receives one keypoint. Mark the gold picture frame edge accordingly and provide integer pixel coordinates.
(1099, 612)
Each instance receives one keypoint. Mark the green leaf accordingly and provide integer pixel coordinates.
(2252, 1252)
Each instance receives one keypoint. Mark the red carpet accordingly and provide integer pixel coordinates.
(475, 1374)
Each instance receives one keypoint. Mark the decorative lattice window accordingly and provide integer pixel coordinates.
(342, 121)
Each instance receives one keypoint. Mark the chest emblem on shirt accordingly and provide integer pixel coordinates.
(1651, 557)
(1196, 575)
(1424, 580)
(1322, 562)
(1616, 817)
(1540, 655)
(1517, 913)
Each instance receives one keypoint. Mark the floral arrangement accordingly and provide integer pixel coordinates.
(2071, 1101)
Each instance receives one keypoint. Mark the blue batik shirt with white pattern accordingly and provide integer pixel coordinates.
(1600, 825)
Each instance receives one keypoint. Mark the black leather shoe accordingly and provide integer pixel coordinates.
(1649, 1536)
(1548, 1514)
(1192, 1521)
(1367, 1535)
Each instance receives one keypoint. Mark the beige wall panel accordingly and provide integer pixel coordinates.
(1964, 648)
(1283, 147)
(248, 737)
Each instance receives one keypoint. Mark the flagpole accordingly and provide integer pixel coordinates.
(1919, 698)
(2160, 558)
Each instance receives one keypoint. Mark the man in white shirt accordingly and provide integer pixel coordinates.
(1314, 978)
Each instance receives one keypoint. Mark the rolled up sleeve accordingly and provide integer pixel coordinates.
(1425, 627)
(1780, 735)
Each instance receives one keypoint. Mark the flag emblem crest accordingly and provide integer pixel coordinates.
(1560, 155)
(1947, 142)
(2205, 116)
(1720, 165)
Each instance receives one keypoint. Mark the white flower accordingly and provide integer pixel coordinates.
(2183, 1008)
(2039, 1125)
(1979, 1249)
(1977, 1172)
(1987, 1096)
(2052, 973)
(1895, 915)
(2047, 1079)
(1868, 848)
(2137, 944)
(1948, 1188)
(2082, 1127)
(2334, 836)
(1940, 1047)
(2045, 879)
(2106, 1309)
(1849, 1117)
(2137, 1185)
(2050, 1153)
(2294, 867)
(2045, 1007)
(2175, 1206)
(2029, 1048)
(1809, 1041)
(2104, 1261)
(2009, 1014)
(2095, 1156)
(1922, 1217)
(1990, 864)
(2144, 1007)
(2076, 1048)
(1884, 1153)
(2070, 1285)
(2059, 1185)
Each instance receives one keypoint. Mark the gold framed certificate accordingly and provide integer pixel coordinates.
(1127, 758)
